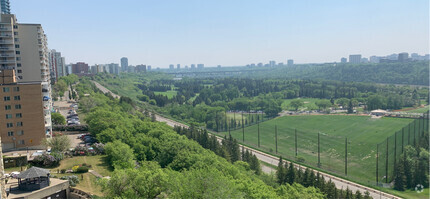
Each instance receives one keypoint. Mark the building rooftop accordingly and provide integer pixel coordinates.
(55, 186)
(33, 172)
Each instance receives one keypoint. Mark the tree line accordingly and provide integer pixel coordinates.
(412, 169)
(228, 148)
(288, 174)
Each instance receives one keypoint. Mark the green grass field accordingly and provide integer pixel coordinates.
(363, 134)
(169, 94)
(425, 109)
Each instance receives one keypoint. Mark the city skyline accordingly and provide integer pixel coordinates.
(214, 33)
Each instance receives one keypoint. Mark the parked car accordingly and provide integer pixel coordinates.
(90, 140)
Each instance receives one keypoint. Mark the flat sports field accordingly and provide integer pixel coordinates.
(363, 134)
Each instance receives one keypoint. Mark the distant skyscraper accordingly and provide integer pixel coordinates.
(80, 68)
(193, 66)
(374, 59)
(149, 67)
(260, 64)
(178, 66)
(200, 66)
(5, 6)
(171, 66)
(141, 68)
(272, 63)
(354, 59)
(57, 65)
(124, 64)
(290, 62)
(403, 57)
(364, 60)
(343, 60)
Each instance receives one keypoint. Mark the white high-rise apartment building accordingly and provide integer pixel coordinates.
(23, 47)
(57, 65)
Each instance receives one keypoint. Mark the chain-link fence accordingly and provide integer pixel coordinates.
(390, 150)
(336, 154)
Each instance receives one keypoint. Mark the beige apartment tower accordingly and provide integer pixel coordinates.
(21, 114)
(24, 52)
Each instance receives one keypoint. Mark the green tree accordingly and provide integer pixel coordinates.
(399, 175)
(323, 104)
(296, 104)
(149, 181)
(58, 119)
(57, 143)
(281, 172)
(291, 174)
(120, 155)
(343, 102)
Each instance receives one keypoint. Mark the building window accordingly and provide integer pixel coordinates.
(17, 106)
(19, 77)
(15, 33)
(18, 58)
(16, 89)
(18, 115)
(5, 89)
(10, 133)
(18, 52)
(8, 116)
(15, 27)
(16, 45)
(21, 142)
(17, 97)
(16, 39)
(20, 132)
(19, 124)
(9, 125)
(19, 71)
(18, 65)
(7, 107)
(6, 98)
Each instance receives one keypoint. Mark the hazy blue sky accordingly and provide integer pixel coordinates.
(227, 32)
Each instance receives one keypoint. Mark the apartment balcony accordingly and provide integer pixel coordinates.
(6, 55)
(6, 42)
(5, 29)
(5, 35)
(7, 61)
(48, 123)
(6, 49)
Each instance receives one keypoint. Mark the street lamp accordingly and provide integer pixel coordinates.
(380, 189)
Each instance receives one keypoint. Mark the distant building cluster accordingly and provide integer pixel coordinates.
(193, 66)
(290, 62)
(401, 57)
(82, 69)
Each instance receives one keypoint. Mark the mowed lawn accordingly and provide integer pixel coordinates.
(87, 181)
(169, 94)
(363, 134)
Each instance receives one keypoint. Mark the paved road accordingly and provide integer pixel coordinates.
(339, 182)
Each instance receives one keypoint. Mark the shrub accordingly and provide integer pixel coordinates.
(73, 180)
(82, 169)
(300, 159)
(63, 170)
(58, 156)
(46, 160)
(75, 168)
